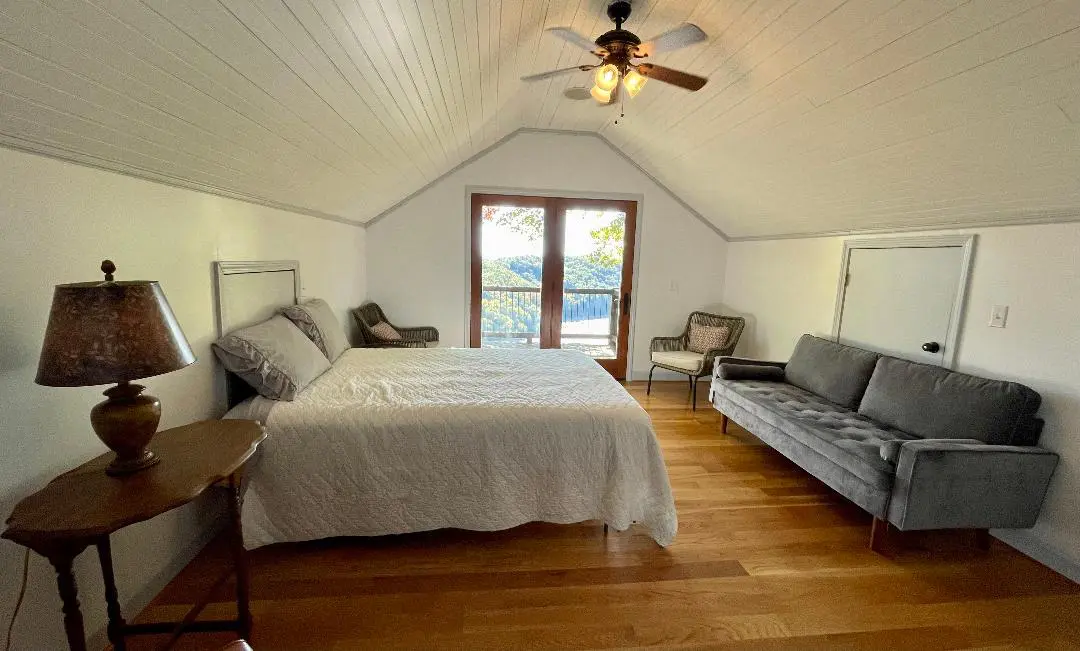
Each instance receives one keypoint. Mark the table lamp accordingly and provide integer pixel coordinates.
(114, 331)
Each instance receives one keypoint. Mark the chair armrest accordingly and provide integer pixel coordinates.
(419, 333)
(950, 483)
(664, 344)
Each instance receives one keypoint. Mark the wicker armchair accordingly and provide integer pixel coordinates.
(671, 353)
(369, 314)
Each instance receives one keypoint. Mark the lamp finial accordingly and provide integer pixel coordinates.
(108, 268)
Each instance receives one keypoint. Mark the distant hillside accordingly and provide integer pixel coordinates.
(518, 312)
(524, 271)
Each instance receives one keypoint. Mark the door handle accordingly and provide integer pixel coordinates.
(931, 346)
(626, 302)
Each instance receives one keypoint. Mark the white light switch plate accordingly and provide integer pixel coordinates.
(998, 316)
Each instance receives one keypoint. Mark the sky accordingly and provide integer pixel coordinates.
(502, 242)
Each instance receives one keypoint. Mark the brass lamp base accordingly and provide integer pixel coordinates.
(126, 422)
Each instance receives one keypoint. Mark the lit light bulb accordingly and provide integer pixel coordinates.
(601, 95)
(607, 77)
(634, 82)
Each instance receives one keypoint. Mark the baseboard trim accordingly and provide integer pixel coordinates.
(1025, 542)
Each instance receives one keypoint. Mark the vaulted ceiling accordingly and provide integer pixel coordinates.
(820, 115)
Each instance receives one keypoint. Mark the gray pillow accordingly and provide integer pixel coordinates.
(833, 371)
(274, 357)
(316, 320)
(751, 372)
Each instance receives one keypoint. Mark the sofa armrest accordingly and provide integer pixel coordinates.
(950, 483)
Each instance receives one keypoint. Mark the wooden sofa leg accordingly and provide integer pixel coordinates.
(982, 539)
(878, 531)
(723, 424)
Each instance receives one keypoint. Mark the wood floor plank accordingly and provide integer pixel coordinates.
(766, 558)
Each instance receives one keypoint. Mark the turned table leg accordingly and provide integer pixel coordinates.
(69, 595)
(243, 606)
(112, 597)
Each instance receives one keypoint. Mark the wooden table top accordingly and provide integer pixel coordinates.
(85, 503)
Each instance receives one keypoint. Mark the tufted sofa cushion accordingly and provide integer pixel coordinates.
(842, 435)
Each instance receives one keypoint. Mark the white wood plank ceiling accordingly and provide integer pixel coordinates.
(820, 115)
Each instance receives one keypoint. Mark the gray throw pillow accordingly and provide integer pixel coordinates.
(316, 320)
(274, 357)
(751, 372)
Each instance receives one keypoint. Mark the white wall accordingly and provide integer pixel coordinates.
(788, 287)
(418, 253)
(59, 221)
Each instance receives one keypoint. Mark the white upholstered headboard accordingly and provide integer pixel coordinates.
(246, 293)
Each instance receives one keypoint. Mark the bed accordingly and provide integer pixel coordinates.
(390, 441)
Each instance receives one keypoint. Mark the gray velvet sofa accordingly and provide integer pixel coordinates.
(917, 446)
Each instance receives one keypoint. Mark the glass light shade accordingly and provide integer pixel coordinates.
(607, 77)
(634, 82)
(601, 95)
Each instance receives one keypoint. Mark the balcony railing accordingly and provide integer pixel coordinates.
(514, 313)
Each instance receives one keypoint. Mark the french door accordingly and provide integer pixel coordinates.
(553, 272)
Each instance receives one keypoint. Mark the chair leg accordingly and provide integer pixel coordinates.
(723, 424)
(878, 531)
(693, 395)
(648, 388)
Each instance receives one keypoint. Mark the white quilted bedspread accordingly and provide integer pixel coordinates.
(393, 441)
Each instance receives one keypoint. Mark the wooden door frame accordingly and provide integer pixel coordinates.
(964, 242)
(552, 266)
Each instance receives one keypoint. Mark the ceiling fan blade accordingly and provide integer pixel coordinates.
(572, 37)
(682, 36)
(673, 77)
(555, 73)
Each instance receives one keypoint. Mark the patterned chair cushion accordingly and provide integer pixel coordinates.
(680, 359)
(704, 338)
(385, 332)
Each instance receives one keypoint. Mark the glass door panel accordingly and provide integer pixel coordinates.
(512, 268)
(593, 249)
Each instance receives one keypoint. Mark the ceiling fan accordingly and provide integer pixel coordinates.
(618, 50)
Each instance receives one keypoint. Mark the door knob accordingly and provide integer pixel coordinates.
(931, 346)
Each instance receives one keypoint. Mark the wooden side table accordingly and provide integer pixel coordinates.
(84, 506)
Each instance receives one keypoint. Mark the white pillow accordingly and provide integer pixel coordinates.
(274, 357)
(316, 320)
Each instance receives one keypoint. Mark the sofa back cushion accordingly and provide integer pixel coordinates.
(932, 402)
(833, 371)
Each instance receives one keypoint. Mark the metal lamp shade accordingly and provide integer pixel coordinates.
(106, 332)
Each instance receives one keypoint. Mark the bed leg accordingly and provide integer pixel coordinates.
(605, 528)
(982, 539)
(648, 387)
(723, 424)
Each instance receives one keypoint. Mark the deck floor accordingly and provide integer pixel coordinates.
(766, 558)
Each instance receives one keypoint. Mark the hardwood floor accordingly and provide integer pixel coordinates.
(766, 558)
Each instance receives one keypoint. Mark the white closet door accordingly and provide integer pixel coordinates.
(899, 301)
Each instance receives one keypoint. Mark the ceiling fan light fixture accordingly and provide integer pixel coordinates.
(634, 82)
(601, 95)
(607, 77)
